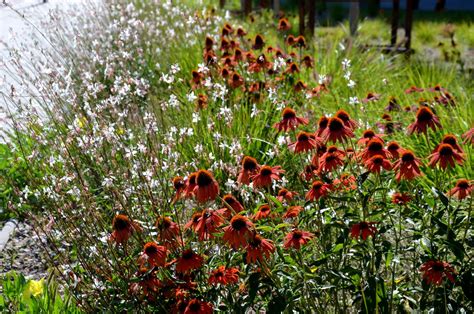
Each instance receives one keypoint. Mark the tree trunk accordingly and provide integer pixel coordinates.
(247, 6)
(302, 15)
(276, 7)
(221, 3)
(395, 16)
(354, 17)
(409, 23)
(311, 4)
(440, 5)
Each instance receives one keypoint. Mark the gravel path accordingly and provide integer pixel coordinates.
(23, 253)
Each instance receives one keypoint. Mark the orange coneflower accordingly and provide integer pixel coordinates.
(300, 86)
(236, 80)
(446, 157)
(258, 42)
(400, 198)
(374, 147)
(394, 149)
(201, 102)
(179, 185)
(413, 89)
(469, 136)
(258, 248)
(193, 222)
(368, 135)
(331, 159)
(209, 43)
(289, 120)
(451, 140)
(437, 88)
(238, 55)
(266, 175)
(309, 171)
(290, 40)
(249, 168)
(123, 228)
(238, 231)
(318, 189)
(190, 185)
(292, 212)
(434, 272)
(462, 189)
(346, 118)
(305, 142)
(307, 61)
(296, 238)
(407, 167)
(322, 125)
(227, 29)
(155, 254)
(262, 212)
(424, 118)
(336, 131)
(231, 202)
(198, 307)
(241, 32)
(363, 230)
(392, 105)
(206, 186)
(376, 163)
(346, 182)
(292, 68)
(167, 229)
(196, 80)
(224, 276)
(188, 261)
(300, 41)
(208, 224)
(284, 194)
(283, 24)
(371, 97)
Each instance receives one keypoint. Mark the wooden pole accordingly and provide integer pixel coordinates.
(354, 17)
(395, 16)
(408, 23)
(311, 4)
(302, 15)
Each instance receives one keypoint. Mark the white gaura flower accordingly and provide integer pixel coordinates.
(353, 100)
(254, 112)
(191, 97)
(196, 117)
(351, 84)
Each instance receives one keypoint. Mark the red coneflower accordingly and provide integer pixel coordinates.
(300, 41)
(208, 224)
(437, 88)
(148, 283)
(167, 229)
(198, 307)
(188, 261)
(296, 238)
(241, 32)
(445, 156)
(289, 121)
(368, 135)
(400, 198)
(300, 86)
(193, 222)
(230, 202)
(336, 131)
(305, 142)
(224, 276)
(363, 230)
(284, 194)
(258, 42)
(206, 186)
(155, 254)
(374, 147)
(292, 68)
(395, 150)
(190, 185)
(225, 44)
(258, 248)
(236, 80)
(346, 182)
(307, 61)
(290, 40)
(375, 164)
(266, 175)
(424, 118)
(318, 189)
(434, 272)
(371, 97)
(407, 167)
(292, 212)
(238, 231)
(309, 172)
(392, 105)
(413, 89)
(451, 140)
(331, 160)
(469, 137)
(322, 125)
(262, 212)
(201, 102)
(462, 189)
(179, 186)
(344, 116)
(123, 228)
(249, 168)
(283, 24)
(209, 43)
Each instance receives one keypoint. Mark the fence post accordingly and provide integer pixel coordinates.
(395, 16)
(311, 4)
(354, 17)
(408, 23)
(302, 15)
